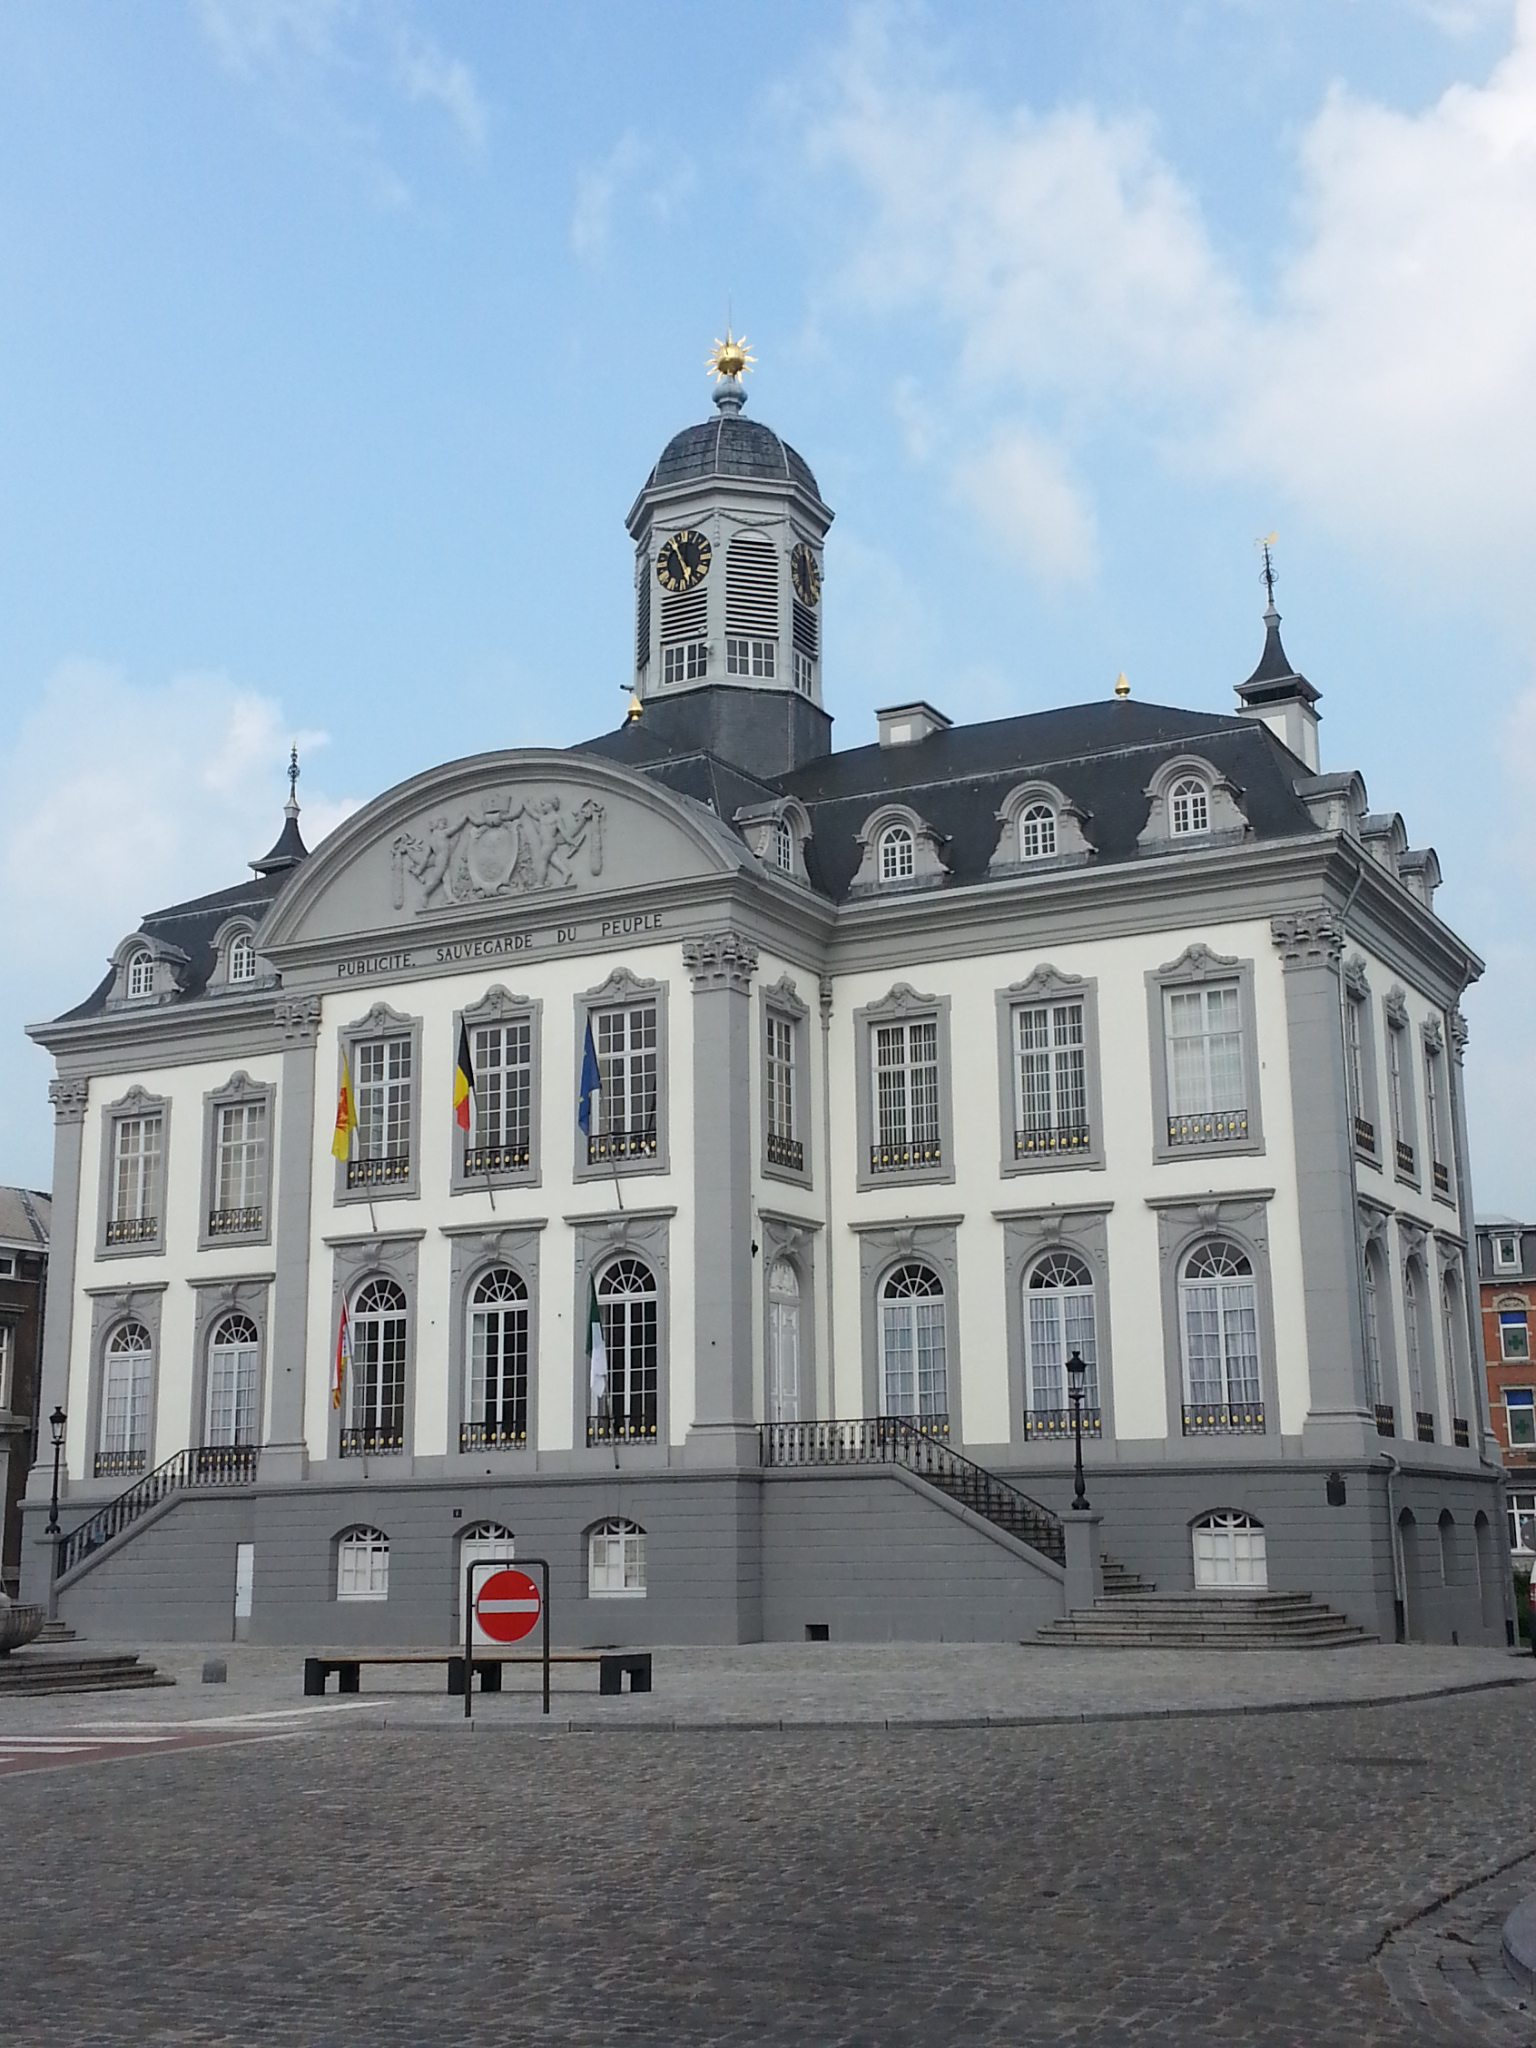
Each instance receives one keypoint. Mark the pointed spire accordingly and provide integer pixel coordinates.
(289, 848)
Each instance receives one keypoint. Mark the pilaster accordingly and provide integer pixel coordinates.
(1339, 1421)
(723, 1430)
(1492, 1449)
(283, 1453)
(69, 1098)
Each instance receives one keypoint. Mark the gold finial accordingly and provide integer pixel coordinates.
(732, 357)
(635, 708)
(1122, 687)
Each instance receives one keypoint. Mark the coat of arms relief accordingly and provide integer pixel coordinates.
(510, 847)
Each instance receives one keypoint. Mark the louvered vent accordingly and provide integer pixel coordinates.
(752, 587)
(643, 617)
(682, 614)
(805, 628)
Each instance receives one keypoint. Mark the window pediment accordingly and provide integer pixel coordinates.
(146, 971)
(1190, 802)
(898, 850)
(1057, 838)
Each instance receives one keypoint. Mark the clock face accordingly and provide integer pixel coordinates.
(805, 574)
(684, 560)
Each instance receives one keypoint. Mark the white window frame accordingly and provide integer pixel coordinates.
(1037, 831)
(756, 659)
(785, 1302)
(896, 854)
(1501, 1264)
(139, 974)
(501, 1103)
(1189, 807)
(1232, 1298)
(1194, 1094)
(1519, 1320)
(378, 1380)
(684, 661)
(1520, 1401)
(781, 1051)
(233, 1389)
(784, 846)
(384, 1076)
(1522, 1521)
(1049, 1042)
(805, 673)
(1059, 1319)
(906, 1090)
(7, 1363)
(127, 1397)
(1233, 1556)
(629, 1305)
(241, 965)
(627, 1038)
(506, 1316)
(241, 1135)
(616, 1560)
(914, 1343)
(362, 1564)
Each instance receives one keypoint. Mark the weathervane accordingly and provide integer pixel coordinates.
(293, 774)
(1267, 544)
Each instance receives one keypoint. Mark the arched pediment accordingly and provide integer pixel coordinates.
(532, 831)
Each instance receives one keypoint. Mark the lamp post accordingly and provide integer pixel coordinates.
(56, 1422)
(1077, 1374)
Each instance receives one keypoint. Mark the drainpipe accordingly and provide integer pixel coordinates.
(824, 986)
(1399, 1592)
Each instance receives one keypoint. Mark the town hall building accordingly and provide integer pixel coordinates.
(1115, 1035)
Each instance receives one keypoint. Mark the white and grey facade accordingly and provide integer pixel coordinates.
(1117, 1029)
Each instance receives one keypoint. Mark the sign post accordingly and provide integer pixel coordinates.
(508, 1606)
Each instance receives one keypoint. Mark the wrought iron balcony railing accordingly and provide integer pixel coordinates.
(201, 1465)
(133, 1229)
(1223, 1418)
(372, 1443)
(605, 1145)
(786, 1151)
(901, 1158)
(1461, 1433)
(1365, 1135)
(1386, 1419)
(1403, 1154)
(234, 1222)
(119, 1464)
(389, 1169)
(509, 1158)
(1423, 1426)
(1055, 1424)
(494, 1436)
(1050, 1140)
(1442, 1177)
(1211, 1127)
(637, 1428)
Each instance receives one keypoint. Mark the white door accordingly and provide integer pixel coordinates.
(484, 1543)
(245, 1587)
(783, 1343)
(1229, 1553)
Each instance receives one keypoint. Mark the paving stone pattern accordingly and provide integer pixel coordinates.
(1223, 1881)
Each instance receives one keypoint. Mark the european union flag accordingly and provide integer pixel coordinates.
(591, 1085)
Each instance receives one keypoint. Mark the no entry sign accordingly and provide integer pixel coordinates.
(507, 1606)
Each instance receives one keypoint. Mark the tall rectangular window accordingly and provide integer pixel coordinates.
(1205, 1050)
(1520, 1413)
(906, 1095)
(784, 1143)
(626, 1041)
(1522, 1521)
(1050, 1079)
(240, 1166)
(137, 1148)
(1514, 1333)
(501, 1139)
(381, 1148)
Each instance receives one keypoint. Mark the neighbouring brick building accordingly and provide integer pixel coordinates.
(1506, 1274)
(23, 1281)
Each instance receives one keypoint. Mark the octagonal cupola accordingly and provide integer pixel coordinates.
(729, 532)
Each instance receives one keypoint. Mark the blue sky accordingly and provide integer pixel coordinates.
(337, 336)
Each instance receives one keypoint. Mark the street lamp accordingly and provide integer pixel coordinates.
(1077, 1374)
(56, 1422)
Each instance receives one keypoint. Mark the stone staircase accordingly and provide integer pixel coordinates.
(1134, 1618)
(27, 1673)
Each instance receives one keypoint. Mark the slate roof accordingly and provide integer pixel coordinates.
(730, 446)
(24, 1217)
(191, 926)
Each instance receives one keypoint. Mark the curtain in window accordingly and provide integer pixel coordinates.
(1221, 1327)
(914, 1368)
(234, 1358)
(1058, 1306)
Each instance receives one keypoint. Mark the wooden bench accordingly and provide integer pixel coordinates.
(613, 1666)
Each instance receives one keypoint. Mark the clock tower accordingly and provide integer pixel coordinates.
(729, 532)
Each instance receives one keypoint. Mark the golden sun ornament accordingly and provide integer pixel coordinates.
(732, 357)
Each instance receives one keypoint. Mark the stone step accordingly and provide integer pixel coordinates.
(1059, 1635)
(1105, 1629)
(57, 1632)
(1108, 1615)
(32, 1671)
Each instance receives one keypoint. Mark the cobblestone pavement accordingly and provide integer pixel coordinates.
(1191, 1882)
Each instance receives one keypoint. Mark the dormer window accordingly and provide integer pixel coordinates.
(139, 974)
(898, 858)
(1189, 807)
(784, 846)
(242, 958)
(1037, 832)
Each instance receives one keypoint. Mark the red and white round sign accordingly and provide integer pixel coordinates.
(507, 1606)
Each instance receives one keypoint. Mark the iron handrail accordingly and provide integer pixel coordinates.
(198, 1465)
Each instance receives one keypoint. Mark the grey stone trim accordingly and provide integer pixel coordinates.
(883, 1246)
(1182, 1223)
(137, 1102)
(1439, 1145)
(1028, 1234)
(1196, 965)
(759, 823)
(473, 1250)
(1357, 990)
(1072, 846)
(722, 965)
(382, 1022)
(498, 1006)
(902, 1005)
(110, 1308)
(619, 989)
(928, 869)
(299, 1020)
(646, 1234)
(387, 1255)
(782, 999)
(239, 1088)
(247, 1294)
(792, 1238)
(1450, 1263)
(169, 963)
(1228, 824)
(1405, 1123)
(1048, 984)
(720, 960)
(69, 1099)
(242, 922)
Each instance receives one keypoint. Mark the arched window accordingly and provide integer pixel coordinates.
(242, 957)
(482, 1543)
(362, 1564)
(139, 973)
(897, 854)
(624, 1405)
(1229, 1551)
(1413, 1337)
(376, 1382)
(496, 1398)
(1189, 807)
(784, 846)
(1454, 1331)
(1220, 1321)
(616, 1559)
(234, 1374)
(127, 1378)
(1375, 1378)
(1037, 832)
(1058, 1320)
(783, 1342)
(914, 1373)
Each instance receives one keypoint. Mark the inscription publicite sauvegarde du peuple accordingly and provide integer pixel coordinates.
(498, 944)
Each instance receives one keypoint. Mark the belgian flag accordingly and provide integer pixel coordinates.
(463, 1080)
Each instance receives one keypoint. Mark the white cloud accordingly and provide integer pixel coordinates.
(1029, 506)
(634, 173)
(428, 75)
